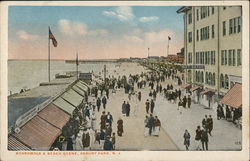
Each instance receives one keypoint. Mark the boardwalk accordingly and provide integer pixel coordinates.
(133, 138)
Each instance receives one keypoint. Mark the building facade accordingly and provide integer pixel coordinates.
(213, 42)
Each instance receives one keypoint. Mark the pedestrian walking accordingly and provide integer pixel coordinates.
(119, 127)
(69, 143)
(79, 145)
(113, 140)
(157, 126)
(210, 124)
(219, 112)
(184, 101)
(104, 102)
(127, 109)
(189, 101)
(198, 138)
(103, 120)
(186, 139)
(124, 108)
(86, 139)
(98, 103)
(108, 144)
(152, 106)
(109, 119)
(139, 96)
(205, 123)
(204, 139)
(150, 124)
(146, 129)
(147, 105)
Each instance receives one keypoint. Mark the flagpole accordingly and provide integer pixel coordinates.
(49, 57)
(77, 65)
(168, 47)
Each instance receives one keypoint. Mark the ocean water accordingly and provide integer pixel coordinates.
(30, 73)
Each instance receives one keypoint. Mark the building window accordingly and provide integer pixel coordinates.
(190, 37)
(208, 32)
(214, 58)
(189, 75)
(210, 79)
(213, 79)
(230, 57)
(197, 14)
(202, 77)
(224, 8)
(221, 81)
(208, 57)
(200, 57)
(239, 24)
(235, 25)
(233, 57)
(212, 31)
(226, 82)
(204, 12)
(212, 10)
(197, 35)
(222, 57)
(224, 28)
(238, 57)
(196, 58)
(189, 18)
(225, 52)
(206, 78)
(189, 58)
(230, 26)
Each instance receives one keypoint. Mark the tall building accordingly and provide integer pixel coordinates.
(213, 43)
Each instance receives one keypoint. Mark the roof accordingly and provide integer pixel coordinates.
(233, 97)
(207, 92)
(54, 115)
(38, 134)
(195, 88)
(19, 106)
(183, 9)
(14, 144)
(185, 85)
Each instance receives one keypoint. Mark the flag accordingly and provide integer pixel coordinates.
(169, 38)
(52, 37)
(77, 63)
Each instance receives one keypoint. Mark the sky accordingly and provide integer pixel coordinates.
(94, 32)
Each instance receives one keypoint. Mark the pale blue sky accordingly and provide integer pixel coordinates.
(32, 22)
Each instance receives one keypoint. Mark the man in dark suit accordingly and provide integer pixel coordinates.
(104, 102)
(204, 139)
(150, 124)
(109, 119)
(152, 106)
(210, 124)
(127, 109)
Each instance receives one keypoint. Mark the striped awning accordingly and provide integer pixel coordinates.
(233, 97)
(185, 86)
(38, 134)
(14, 144)
(207, 92)
(195, 88)
(54, 115)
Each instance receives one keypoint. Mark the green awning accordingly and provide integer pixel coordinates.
(72, 97)
(64, 105)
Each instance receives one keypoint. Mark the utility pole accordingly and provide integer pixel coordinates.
(105, 74)
(148, 52)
